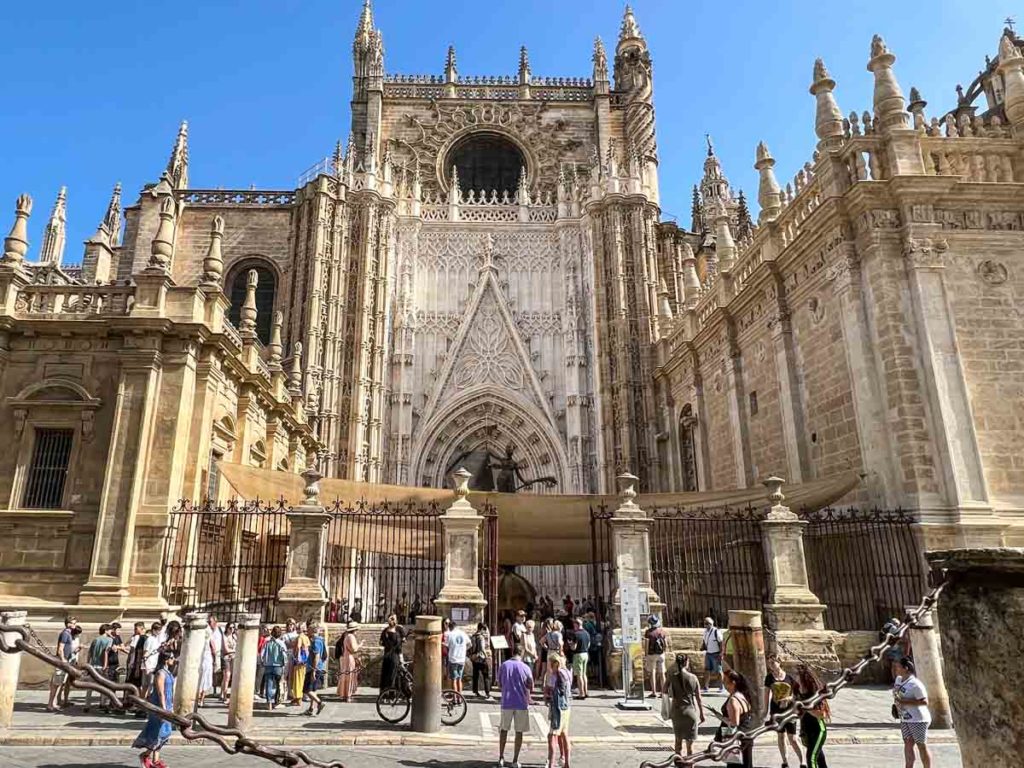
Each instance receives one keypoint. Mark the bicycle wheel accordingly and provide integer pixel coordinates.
(453, 707)
(392, 705)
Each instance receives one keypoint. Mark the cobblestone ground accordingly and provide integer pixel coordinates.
(878, 756)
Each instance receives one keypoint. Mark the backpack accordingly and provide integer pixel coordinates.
(655, 644)
(571, 642)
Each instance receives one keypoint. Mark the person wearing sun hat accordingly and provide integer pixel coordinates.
(655, 650)
(345, 651)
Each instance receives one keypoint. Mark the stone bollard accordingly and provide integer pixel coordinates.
(982, 638)
(192, 646)
(426, 685)
(10, 666)
(243, 672)
(924, 646)
(748, 655)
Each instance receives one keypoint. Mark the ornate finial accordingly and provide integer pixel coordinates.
(522, 189)
(55, 234)
(177, 165)
(111, 224)
(915, 95)
(889, 106)
(711, 147)
(311, 476)
(600, 59)
(828, 120)
(1007, 50)
(275, 348)
(878, 46)
(768, 188)
(247, 314)
(460, 482)
(455, 190)
(820, 71)
(365, 26)
(295, 378)
(488, 263)
(763, 155)
(774, 486)
(630, 29)
(16, 242)
(337, 160)
(213, 263)
(627, 495)
(451, 72)
(162, 247)
(524, 66)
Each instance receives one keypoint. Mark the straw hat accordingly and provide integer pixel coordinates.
(352, 626)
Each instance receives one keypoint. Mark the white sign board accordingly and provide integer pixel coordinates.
(460, 615)
(629, 595)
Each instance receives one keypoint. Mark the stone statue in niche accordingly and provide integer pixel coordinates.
(493, 472)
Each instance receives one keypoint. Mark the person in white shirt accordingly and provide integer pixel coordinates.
(911, 699)
(458, 646)
(711, 643)
(150, 653)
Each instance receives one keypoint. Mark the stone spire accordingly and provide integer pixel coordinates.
(275, 348)
(768, 190)
(524, 66)
(714, 185)
(1011, 67)
(111, 224)
(247, 313)
(691, 283)
(744, 222)
(828, 120)
(55, 234)
(177, 165)
(697, 223)
(162, 247)
(295, 377)
(916, 108)
(364, 28)
(725, 246)
(889, 103)
(337, 160)
(16, 242)
(630, 30)
(213, 264)
(451, 72)
(600, 59)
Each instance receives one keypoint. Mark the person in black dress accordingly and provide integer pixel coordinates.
(391, 640)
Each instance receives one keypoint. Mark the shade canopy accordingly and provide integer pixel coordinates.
(533, 529)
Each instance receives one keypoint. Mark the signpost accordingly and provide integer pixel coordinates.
(630, 605)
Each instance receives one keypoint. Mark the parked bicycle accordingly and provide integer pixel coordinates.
(394, 703)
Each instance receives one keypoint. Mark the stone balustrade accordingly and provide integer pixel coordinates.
(973, 159)
(91, 300)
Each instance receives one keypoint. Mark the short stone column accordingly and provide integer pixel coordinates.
(302, 595)
(631, 543)
(748, 654)
(426, 700)
(982, 638)
(10, 666)
(461, 526)
(243, 672)
(924, 646)
(792, 606)
(192, 646)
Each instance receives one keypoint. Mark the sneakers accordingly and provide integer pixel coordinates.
(501, 762)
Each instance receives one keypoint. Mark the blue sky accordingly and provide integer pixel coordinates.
(94, 92)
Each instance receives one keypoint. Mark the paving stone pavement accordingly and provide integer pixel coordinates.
(483, 756)
(860, 716)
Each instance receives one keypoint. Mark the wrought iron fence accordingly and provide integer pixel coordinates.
(865, 565)
(602, 559)
(705, 562)
(227, 559)
(382, 559)
(488, 564)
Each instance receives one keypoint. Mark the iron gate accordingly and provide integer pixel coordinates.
(603, 568)
(705, 562)
(864, 565)
(488, 564)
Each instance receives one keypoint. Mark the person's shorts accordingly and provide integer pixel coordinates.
(915, 732)
(713, 662)
(314, 681)
(455, 671)
(579, 664)
(517, 720)
(789, 727)
(563, 723)
(655, 662)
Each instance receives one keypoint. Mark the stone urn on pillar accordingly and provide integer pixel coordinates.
(461, 598)
(302, 596)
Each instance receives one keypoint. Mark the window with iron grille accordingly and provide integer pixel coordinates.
(48, 471)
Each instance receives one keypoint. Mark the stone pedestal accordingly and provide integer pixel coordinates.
(982, 636)
(243, 673)
(461, 540)
(631, 546)
(792, 606)
(748, 654)
(426, 701)
(10, 666)
(187, 683)
(924, 645)
(302, 596)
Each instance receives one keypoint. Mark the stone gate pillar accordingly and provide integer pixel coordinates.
(924, 647)
(303, 595)
(982, 632)
(10, 666)
(192, 647)
(631, 544)
(460, 535)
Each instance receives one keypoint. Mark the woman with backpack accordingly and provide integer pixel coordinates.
(300, 657)
(480, 655)
(656, 642)
(274, 657)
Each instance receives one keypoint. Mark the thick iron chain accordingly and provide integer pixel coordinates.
(193, 727)
(790, 652)
(717, 750)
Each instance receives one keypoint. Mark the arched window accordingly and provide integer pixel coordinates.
(486, 161)
(266, 288)
(688, 448)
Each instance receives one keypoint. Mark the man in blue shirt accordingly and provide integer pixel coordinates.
(316, 669)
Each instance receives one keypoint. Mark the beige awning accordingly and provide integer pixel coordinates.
(534, 529)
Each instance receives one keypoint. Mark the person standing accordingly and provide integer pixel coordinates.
(274, 656)
(446, 628)
(316, 669)
(136, 653)
(210, 661)
(581, 658)
(516, 681)
(813, 730)
(346, 650)
(737, 714)
(157, 731)
(687, 710)
(779, 697)
(540, 668)
(558, 694)
(228, 660)
(300, 658)
(529, 644)
(458, 647)
(655, 648)
(480, 655)
(97, 658)
(65, 652)
(911, 699)
(260, 642)
(117, 646)
(290, 634)
(391, 639)
(151, 653)
(712, 643)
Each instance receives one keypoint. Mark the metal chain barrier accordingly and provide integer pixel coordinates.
(717, 750)
(193, 727)
(790, 652)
